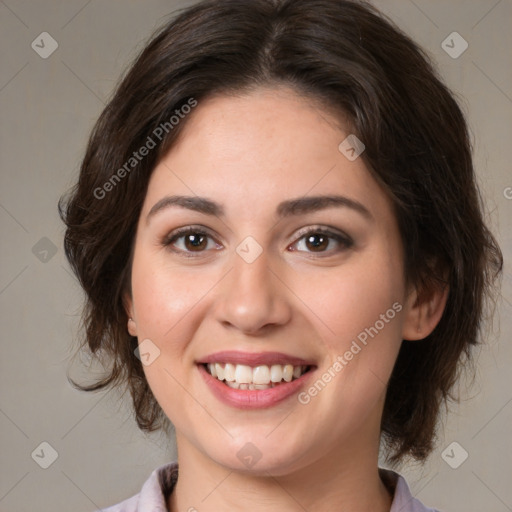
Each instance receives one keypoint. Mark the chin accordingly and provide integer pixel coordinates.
(261, 457)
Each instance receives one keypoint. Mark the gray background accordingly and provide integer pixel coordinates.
(48, 107)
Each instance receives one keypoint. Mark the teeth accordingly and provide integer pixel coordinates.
(229, 372)
(288, 372)
(261, 375)
(276, 373)
(236, 385)
(241, 376)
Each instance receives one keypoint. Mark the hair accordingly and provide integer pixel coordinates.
(360, 66)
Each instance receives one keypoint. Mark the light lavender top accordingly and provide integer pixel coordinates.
(154, 494)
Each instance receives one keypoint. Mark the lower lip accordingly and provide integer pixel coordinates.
(253, 398)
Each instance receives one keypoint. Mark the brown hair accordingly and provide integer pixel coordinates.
(355, 61)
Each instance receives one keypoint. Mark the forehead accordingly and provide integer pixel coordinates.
(270, 126)
(259, 148)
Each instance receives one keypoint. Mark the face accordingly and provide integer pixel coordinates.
(267, 278)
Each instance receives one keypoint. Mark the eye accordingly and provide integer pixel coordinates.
(189, 240)
(318, 240)
(195, 240)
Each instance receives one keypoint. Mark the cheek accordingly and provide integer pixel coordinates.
(167, 303)
(351, 298)
(357, 307)
(163, 295)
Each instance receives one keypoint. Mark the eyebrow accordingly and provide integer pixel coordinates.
(287, 208)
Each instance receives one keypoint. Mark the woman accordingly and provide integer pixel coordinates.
(282, 244)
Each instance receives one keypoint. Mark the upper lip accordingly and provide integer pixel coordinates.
(254, 359)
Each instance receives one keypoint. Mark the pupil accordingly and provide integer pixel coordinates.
(195, 240)
(320, 237)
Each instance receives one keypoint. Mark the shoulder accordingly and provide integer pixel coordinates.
(153, 494)
(403, 500)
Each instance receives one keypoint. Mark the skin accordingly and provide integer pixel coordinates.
(249, 153)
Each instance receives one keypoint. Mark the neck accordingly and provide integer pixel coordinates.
(343, 479)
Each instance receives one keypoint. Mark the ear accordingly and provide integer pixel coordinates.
(423, 311)
(128, 306)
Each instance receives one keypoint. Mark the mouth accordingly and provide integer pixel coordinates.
(244, 377)
(254, 381)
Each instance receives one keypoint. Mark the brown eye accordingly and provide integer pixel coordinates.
(195, 241)
(189, 240)
(319, 240)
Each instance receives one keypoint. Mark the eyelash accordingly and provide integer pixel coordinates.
(345, 241)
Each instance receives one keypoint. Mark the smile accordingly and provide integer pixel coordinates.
(239, 376)
(253, 381)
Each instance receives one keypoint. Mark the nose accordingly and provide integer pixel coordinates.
(253, 296)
